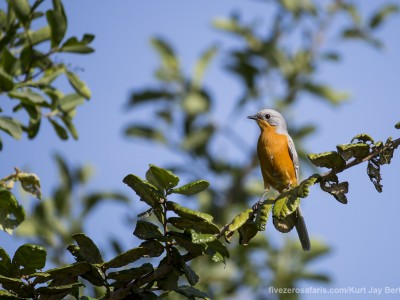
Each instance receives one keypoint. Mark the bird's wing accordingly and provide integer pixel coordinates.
(293, 155)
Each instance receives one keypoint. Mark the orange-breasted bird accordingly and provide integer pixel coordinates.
(279, 166)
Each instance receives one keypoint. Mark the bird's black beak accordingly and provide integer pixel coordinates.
(255, 117)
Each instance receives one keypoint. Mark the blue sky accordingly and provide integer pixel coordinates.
(362, 233)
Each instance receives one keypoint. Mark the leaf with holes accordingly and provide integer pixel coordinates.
(331, 160)
(338, 190)
(357, 151)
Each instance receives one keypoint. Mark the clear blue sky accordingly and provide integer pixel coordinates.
(362, 233)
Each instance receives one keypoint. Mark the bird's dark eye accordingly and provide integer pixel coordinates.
(267, 116)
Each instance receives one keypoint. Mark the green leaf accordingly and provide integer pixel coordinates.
(7, 296)
(126, 258)
(168, 57)
(57, 22)
(198, 139)
(200, 238)
(70, 102)
(262, 213)
(217, 251)
(5, 263)
(191, 188)
(30, 258)
(338, 190)
(190, 275)
(397, 126)
(27, 97)
(58, 291)
(331, 160)
(196, 103)
(202, 65)
(326, 92)
(94, 199)
(237, 222)
(246, 232)
(285, 204)
(150, 94)
(191, 292)
(143, 189)
(41, 35)
(70, 126)
(197, 225)
(9, 281)
(6, 81)
(383, 13)
(11, 126)
(146, 230)
(374, 172)
(164, 178)
(80, 87)
(76, 269)
(155, 248)
(187, 213)
(21, 9)
(303, 188)
(11, 213)
(61, 132)
(358, 151)
(72, 45)
(88, 249)
(363, 138)
(30, 183)
(131, 274)
(145, 132)
(185, 241)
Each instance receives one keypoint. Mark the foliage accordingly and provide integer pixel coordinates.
(28, 77)
(176, 235)
(179, 247)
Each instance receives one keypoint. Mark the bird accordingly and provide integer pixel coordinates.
(279, 164)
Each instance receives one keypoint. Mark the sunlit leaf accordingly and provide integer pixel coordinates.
(191, 188)
(331, 160)
(202, 65)
(187, 213)
(58, 26)
(238, 221)
(164, 178)
(143, 189)
(21, 9)
(383, 13)
(11, 126)
(80, 87)
(70, 102)
(358, 151)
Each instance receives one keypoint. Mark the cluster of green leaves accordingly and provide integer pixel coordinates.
(179, 229)
(361, 149)
(28, 71)
(29, 39)
(273, 72)
(52, 221)
(11, 212)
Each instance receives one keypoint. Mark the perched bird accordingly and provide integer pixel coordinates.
(279, 166)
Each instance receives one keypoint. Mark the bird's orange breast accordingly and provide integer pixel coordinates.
(276, 163)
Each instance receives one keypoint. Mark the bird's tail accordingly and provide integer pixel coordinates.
(302, 230)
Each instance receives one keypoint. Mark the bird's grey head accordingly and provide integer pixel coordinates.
(269, 117)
